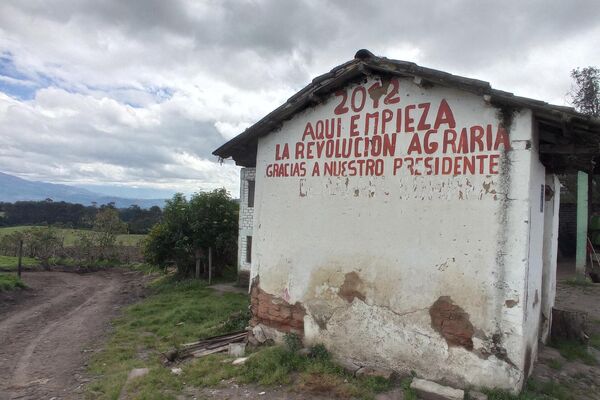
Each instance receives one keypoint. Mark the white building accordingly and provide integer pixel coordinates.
(407, 218)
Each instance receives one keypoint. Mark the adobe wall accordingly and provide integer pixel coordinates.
(408, 246)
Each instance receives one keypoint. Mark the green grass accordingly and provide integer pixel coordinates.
(176, 313)
(555, 364)
(534, 390)
(7, 262)
(70, 235)
(595, 341)
(181, 312)
(573, 350)
(316, 374)
(10, 282)
(579, 281)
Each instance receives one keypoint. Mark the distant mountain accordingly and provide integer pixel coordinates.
(16, 189)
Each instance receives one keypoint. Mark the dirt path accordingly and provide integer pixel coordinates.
(48, 332)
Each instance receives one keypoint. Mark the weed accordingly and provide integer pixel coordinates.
(316, 373)
(237, 321)
(595, 341)
(319, 352)
(555, 364)
(578, 281)
(409, 393)
(293, 342)
(10, 282)
(573, 350)
(534, 390)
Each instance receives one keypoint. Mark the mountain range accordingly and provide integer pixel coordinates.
(14, 189)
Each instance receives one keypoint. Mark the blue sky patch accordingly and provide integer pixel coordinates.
(16, 83)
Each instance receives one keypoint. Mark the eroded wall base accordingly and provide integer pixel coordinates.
(275, 312)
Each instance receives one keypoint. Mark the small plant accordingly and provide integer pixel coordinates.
(577, 281)
(293, 342)
(409, 393)
(572, 350)
(595, 341)
(237, 321)
(10, 282)
(555, 364)
(319, 352)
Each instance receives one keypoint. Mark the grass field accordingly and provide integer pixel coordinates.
(180, 312)
(10, 282)
(7, 262)
(176, 313)
(70, 235)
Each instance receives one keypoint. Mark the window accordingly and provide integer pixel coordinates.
(249, 249)
(250, 193)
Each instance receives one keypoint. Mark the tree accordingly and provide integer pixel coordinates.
(586, 93)
(189, 228)
(214, 223)
(108, 225)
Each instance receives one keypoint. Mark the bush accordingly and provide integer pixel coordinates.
(188, 229)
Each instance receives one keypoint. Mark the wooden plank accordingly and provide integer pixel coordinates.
(202, 353)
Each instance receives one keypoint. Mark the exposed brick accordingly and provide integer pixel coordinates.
(275, 312)
(452, 322)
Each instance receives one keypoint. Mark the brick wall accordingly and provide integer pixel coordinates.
(246, 217)
(275, 312)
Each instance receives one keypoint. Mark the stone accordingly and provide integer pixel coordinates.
(258, 334)
(240, 361)
(368, 371)
(305, 351)
(427, 390)
(348, 365)
(237, 349)
(176, 371)
(396, 394)
(477, 396)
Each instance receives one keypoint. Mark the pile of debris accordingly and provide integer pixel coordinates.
(201, 348)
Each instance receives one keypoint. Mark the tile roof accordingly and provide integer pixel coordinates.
(561, 126)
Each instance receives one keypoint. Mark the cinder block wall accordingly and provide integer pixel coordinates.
(246, 218)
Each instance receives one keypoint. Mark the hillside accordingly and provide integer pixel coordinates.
(14, 189)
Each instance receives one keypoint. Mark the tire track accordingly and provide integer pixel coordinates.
(43, 340)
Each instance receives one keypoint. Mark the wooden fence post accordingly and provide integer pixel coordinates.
(209, 265)
(20, 262)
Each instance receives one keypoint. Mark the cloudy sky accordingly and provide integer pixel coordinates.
(137, 94)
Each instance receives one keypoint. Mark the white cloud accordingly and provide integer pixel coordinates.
(141, 92)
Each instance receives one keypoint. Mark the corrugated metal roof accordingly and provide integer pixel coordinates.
(573, 128)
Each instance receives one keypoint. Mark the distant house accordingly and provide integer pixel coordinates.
(407, 218)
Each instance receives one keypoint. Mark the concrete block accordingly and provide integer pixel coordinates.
(237, 349)
(428, 390)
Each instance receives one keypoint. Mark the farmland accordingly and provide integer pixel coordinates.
(70, 235)
(8, 262)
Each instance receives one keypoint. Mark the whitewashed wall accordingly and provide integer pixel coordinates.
(404, 242)
(550, 255)
(246, 217)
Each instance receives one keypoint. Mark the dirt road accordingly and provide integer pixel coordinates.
(48, 332)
